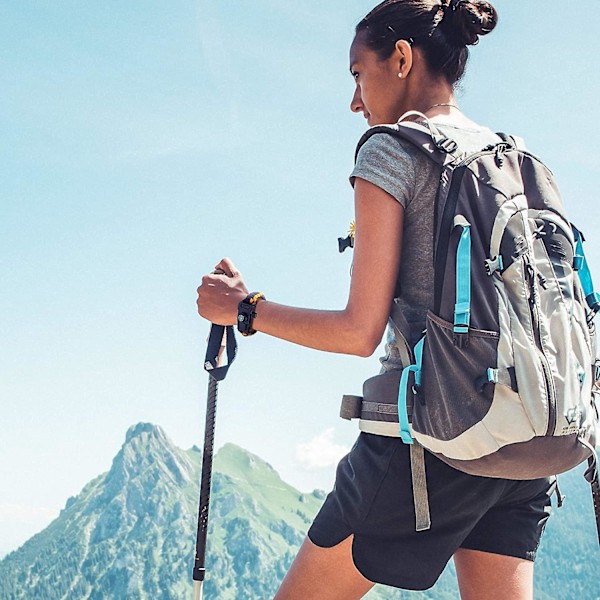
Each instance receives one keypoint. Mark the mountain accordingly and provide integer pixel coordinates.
(130, 533)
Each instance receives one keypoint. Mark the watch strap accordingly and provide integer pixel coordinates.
(247, 312)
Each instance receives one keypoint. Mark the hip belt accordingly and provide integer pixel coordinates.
(377, 408)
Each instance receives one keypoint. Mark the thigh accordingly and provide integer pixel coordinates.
(324, 574)
(493, 576)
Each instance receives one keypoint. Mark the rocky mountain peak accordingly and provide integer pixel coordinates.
(147, 469)
(147, 449)
(140, 429)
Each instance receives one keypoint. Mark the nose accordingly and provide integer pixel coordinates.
(356, 105)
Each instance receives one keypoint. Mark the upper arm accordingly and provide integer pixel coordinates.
(377, 248)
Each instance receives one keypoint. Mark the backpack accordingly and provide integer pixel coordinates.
(502, 383)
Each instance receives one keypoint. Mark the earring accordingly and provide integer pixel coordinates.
(400, 75)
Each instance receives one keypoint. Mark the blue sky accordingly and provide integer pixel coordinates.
(143, 141)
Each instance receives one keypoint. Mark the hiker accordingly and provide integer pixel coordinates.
(407, 55)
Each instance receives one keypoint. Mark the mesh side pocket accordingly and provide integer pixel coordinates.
(449, 400)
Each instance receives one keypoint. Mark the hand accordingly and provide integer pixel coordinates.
(220, 293)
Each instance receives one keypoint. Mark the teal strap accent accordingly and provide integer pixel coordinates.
(593, 301)
(462, 308)
(403, 392)
(504, 377)
(419, 360)
(492, 375)
(402, 406)
(592, 298)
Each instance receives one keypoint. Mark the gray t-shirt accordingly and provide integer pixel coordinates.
(406, 173)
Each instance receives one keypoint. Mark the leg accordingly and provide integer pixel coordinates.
(324, 574)
(493, 576)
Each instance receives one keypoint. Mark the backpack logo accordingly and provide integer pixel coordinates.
(573, 415)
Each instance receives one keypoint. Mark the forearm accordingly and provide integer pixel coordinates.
(327, 330)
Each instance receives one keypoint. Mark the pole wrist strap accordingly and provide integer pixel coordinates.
(220, 336)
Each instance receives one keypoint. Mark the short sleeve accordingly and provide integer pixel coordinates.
(386, 163)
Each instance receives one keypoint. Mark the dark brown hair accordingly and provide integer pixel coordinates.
(442, 30)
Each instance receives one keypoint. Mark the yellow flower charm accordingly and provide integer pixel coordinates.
(348, 242)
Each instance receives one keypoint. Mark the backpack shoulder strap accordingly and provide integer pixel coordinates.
(428, 139)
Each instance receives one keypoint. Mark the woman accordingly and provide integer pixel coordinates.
(407, 55)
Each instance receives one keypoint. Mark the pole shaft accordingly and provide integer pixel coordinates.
(207, 460)
(596, 498)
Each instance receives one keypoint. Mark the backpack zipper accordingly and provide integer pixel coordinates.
(533, 302)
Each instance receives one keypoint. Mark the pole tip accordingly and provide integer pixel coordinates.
(198, 590)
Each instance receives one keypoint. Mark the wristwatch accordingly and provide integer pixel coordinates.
(247, 312)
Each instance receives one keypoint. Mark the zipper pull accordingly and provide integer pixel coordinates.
(499, 159)
(530, 277)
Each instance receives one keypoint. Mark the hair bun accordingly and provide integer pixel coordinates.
(465, 20)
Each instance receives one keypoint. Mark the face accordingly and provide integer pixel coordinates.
(379, 90)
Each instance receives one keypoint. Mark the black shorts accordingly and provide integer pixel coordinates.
(372, 499)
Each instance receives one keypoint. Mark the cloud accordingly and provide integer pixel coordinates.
(320, 452)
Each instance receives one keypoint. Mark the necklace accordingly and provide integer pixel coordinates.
(443, 104)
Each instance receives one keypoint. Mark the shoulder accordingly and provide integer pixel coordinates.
(392, 163)
(384, 144)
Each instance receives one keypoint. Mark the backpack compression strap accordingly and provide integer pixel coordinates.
(462, 308)
(585, 277)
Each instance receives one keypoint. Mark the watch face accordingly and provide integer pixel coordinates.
(245, 314)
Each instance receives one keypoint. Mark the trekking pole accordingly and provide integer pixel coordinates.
(219, 337)
(593, 477)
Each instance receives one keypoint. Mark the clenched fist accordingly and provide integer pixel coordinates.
(220, 293)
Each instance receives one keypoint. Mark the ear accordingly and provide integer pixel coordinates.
(403, 57)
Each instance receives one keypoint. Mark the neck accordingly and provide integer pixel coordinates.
(443, 108)
(436, 105)
(428, 95)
